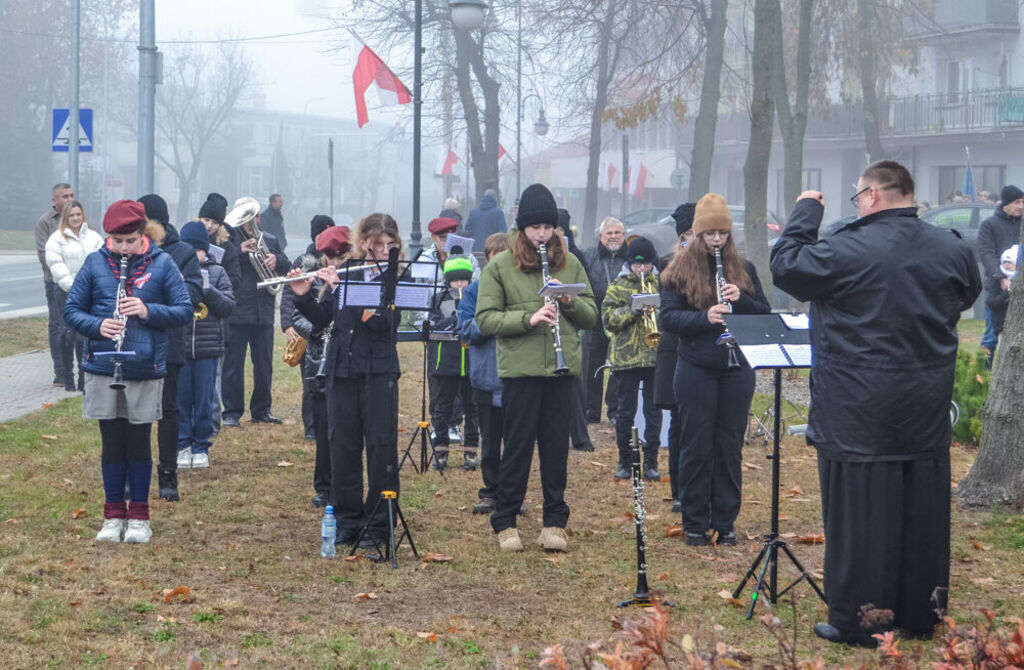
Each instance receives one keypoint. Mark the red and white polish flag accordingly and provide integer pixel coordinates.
(446, 160)
(370, 69)
(637, 180)
(606, 176)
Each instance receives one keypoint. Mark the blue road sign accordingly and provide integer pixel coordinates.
(62, 129)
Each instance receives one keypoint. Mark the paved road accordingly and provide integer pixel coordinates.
(25, 384)
(21, 286)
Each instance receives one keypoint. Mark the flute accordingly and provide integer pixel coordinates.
(276, 281)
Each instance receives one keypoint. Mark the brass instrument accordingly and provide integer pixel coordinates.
(122, 279)
(201, 312)
(560, 367)
(726, 337)
(244, 212)
(294, 352)
(649, 317)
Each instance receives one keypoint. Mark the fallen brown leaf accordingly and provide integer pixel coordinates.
(78, 513)
(284, 464)
(183, 591)
(289, 422)
(811, 539)
(600, 465)
(11, 522)
(795, 491)
(429, 637)
(229, 662)
(726, 595)
(366, 596)
(49, 437)
(662, 576)
(675, 530)
(979, 545)
(48, 405)
(434, 557)
(751, 466)
(354, 557)
(555, 560)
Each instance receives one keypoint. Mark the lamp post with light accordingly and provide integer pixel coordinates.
(466, 15)
(540, 126)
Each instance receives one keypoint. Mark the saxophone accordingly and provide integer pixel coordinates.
(560, 367)
(726, 337)
(118, 382)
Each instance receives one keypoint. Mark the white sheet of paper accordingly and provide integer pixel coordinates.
(425, 270)
(216, 253)
(458, 241)
(356, 294)
(796, 321)
(413, 296)
(799, 353)
(551, 290)
(764, 355)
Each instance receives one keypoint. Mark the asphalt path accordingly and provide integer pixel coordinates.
(21, 286)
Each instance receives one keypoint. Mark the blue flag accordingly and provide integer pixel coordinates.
(968, 187)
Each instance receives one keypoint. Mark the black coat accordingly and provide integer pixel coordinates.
(272, 221)
(231, 263)
(886, 293)
(255, 307)
(204, 338)
(184, 256)
(996, 234)
(603, 267)
(291, 317)
(446, 357)
(665, 370)
(698, 338)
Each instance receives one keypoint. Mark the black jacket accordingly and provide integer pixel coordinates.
(602, 268)
(291, 317)
(184, 256)
(665, 370)
(886, 293)
(998, 301)
(446, 357)
(698, 338)
(255, 307)
(230, 262)
(996, 234)
(272, 221)
(204, 338)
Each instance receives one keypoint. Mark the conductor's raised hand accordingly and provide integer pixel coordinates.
(813, 195)
(546, 314)
(715, 313)
(299, 286)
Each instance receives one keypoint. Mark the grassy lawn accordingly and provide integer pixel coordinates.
(245, 540)
(20, 335)
(17, 240)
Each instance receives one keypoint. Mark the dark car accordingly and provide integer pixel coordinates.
(964, 217)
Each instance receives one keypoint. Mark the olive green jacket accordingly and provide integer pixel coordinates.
(507, 300)
(626, 346)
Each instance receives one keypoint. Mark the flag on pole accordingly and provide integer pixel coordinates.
(637, 180)
(606, 176)
(370, 69)
(968, 186)
(445, 162)
(501, 151)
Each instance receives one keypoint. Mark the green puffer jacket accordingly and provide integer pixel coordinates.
(626, 346)
(507, 300)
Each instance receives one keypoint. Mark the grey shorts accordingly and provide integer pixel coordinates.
(139, 401)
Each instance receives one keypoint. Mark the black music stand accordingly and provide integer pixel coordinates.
(767, 342)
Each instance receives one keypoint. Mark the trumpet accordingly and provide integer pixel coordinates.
(244, 212)
(726, 337)
(648, 317)
(560, 367)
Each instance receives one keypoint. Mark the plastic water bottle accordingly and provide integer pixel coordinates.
(328, 533)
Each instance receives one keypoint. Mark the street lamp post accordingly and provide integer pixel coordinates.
(466, 15)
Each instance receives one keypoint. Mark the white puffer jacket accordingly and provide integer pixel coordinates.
(66, 252)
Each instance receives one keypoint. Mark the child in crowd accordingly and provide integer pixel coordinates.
(485, 383)
(155, 299)
(449, 365)
(999, 298)
(203, 345)
(632, 357)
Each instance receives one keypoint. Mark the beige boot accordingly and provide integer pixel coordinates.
(553, 539)
(508, 540)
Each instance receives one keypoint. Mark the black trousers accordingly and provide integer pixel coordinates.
(535, 411)
(595, 354)
(713, 408)
(259, 340)
(673, 452)
(319, 428)
(167, 426)
(54, 326)
(309, 393)
(362, 414)
(887, 532)
(69, 343)
(629, 388)
(578, 433)
(449, 388)
(491, 431)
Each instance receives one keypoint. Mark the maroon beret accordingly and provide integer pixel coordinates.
(334, 241)
(124, 217)
(442, 225)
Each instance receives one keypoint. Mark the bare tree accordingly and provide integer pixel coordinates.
(193, 103)
(793, 116)
(713, 23)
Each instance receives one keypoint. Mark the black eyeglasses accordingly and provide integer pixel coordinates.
(856, 196)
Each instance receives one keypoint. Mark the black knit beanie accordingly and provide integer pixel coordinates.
(536, 205)
(1010, 193)
(318, 224)
(217, 197)
(213, 209)
(156, 208)
(641, 250)
(684, 217)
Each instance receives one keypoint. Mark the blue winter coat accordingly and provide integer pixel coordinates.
(483, 349)
(154, 278)
(484, 221)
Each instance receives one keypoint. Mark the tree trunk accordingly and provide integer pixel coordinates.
(483, 143)
(869, 80)
(997, 476)
(762, 115)
(710, 93)
(604, 49)
(793, 120)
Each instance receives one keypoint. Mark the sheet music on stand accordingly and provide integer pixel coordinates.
(409, 293)
(772, 340)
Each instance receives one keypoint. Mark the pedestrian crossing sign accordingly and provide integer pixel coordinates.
(62, 129)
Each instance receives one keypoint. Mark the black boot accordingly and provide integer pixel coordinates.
(168, 480)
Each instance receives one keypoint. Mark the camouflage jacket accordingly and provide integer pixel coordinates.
(626, 346)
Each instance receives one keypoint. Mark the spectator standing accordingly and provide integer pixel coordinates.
(60, 195)
(603, 265)
(996, 234)
(272, 220)
(451, 211)
(999, 301)
(485, 220)
(65, 253)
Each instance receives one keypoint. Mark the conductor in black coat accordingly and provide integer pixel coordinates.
(886, 293)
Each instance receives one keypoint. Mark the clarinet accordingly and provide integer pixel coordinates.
(321, 373)
(726, 337)
(643, 594)
(560, 367)
(118, 383)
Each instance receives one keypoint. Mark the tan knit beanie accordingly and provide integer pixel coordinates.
(711, 214)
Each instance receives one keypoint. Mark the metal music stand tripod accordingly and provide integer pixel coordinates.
(768, 342)
(422, 431)
(388, 497)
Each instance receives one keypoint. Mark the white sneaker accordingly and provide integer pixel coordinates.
(200, 460)
(111, 531)
(454, 435)
(185, 458)
(138, 532)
